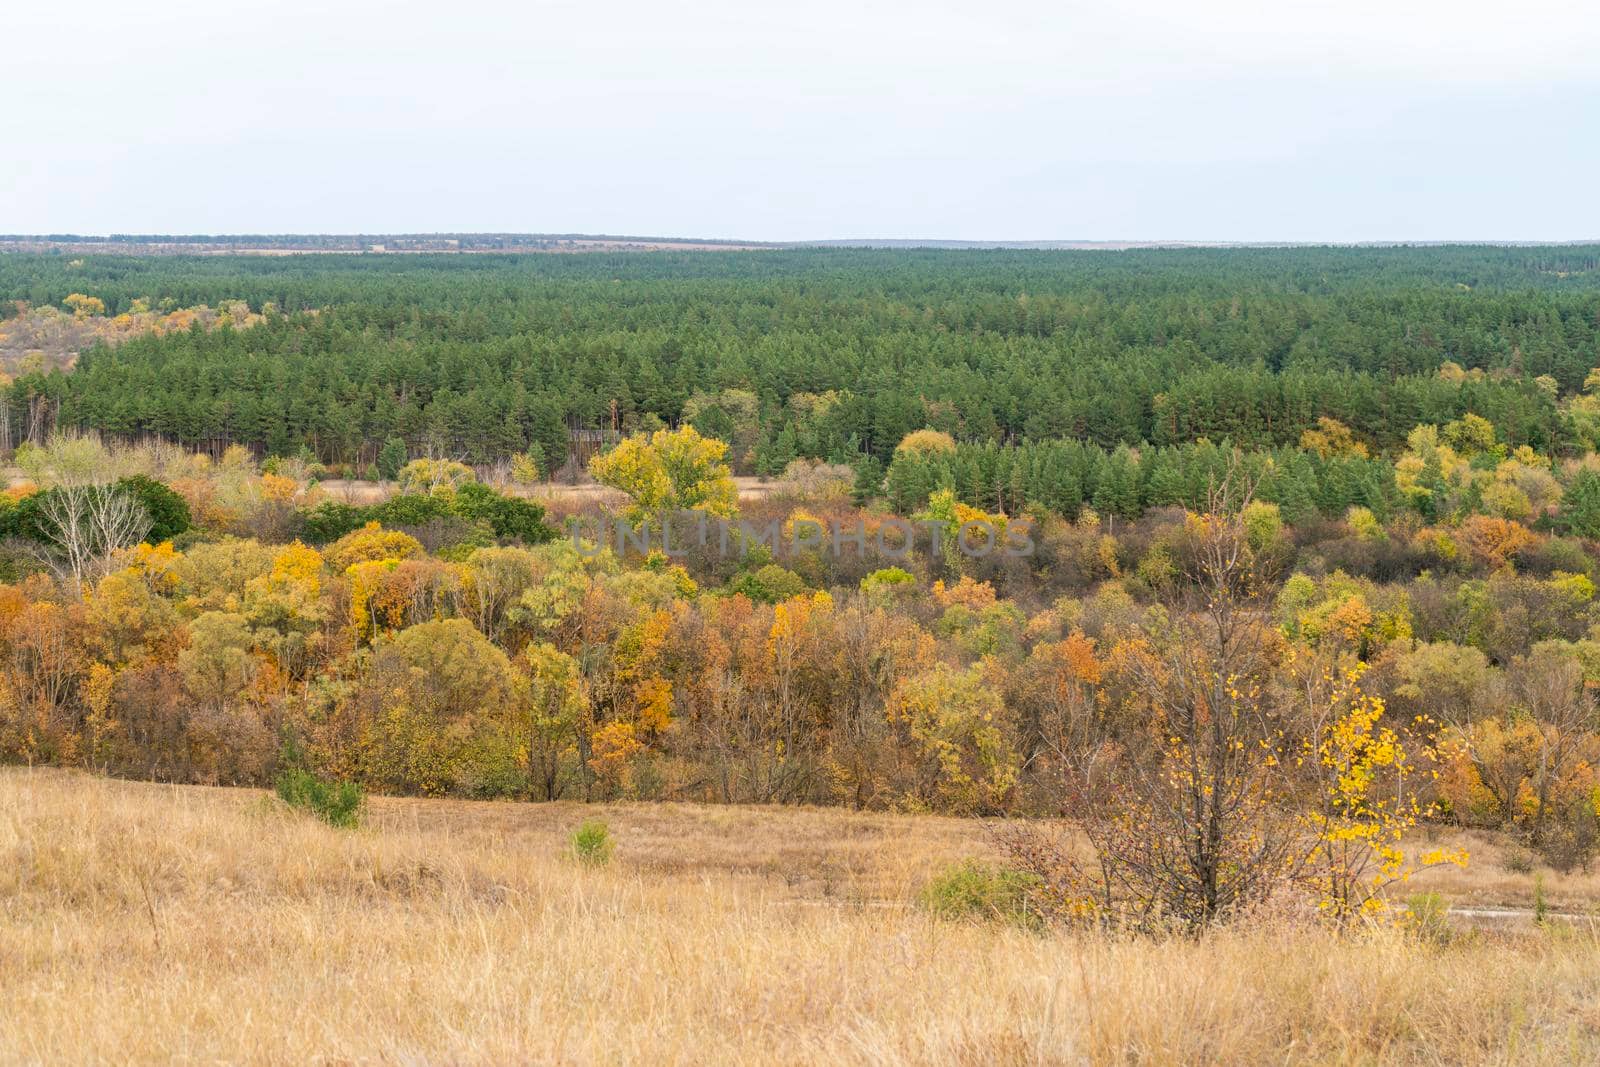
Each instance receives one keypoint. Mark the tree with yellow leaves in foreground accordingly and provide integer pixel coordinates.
(1366, 800)
(667, 471)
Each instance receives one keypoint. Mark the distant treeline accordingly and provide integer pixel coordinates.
(829, 353)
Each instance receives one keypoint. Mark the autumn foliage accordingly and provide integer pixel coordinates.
(1215, 708)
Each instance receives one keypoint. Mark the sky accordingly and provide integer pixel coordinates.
(1350, 120)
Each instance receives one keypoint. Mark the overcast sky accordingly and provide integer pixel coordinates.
(1179, 119)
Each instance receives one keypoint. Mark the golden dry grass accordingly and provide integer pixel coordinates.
(143, 923)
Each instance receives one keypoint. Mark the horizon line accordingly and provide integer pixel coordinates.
(1113, 243)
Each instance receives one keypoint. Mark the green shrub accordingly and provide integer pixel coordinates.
(409, 509)
(509, 518)
(770, 584)
(982, 891)
(593, 844)
(335, 803)
(169, 512)
(330, 520)
(888, 582)
(1430, 917)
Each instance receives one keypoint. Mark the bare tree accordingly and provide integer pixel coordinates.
(79, 528)
(1184, 809)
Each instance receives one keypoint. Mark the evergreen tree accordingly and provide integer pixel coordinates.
(1117, 488)
(1164, 487)
(869, 480)
(391, 457)
(1580, 504)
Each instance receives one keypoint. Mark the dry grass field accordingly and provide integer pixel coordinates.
(144, 923)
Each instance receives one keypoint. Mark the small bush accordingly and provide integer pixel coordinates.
(771, 584)
(1430, 917)
(1518, 862)
(975, 890)
(593, 844)
(335, 803)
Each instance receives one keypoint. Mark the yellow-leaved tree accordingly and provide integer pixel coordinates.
(955, 726)
(926, 443)
(667, 471)
(552, 715)
(1365, 804)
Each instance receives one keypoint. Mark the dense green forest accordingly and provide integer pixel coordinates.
(827, 353)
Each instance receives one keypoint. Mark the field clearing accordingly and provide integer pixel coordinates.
(148, 923)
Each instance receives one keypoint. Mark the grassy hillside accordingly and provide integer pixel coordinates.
(145, 923)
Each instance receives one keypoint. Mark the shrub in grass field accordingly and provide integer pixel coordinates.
(593, 844)
(1430, 917)
(976, 890)
(1518, 862)
(335, 803)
